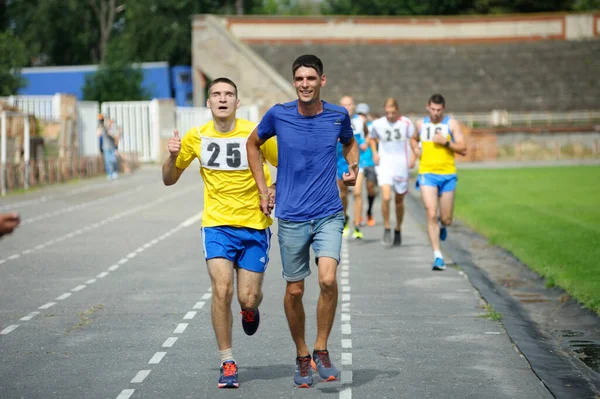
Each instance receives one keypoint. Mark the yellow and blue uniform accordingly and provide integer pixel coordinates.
(437, 167)
(233, 226)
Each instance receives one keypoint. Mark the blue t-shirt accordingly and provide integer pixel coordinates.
(306, 171)
(366, 157)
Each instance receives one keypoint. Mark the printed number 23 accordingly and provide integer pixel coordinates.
(234, 157)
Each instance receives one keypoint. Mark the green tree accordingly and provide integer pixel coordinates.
(13, 56)
(586, 5)
(115, 81)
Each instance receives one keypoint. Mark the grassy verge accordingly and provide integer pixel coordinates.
(548, 217)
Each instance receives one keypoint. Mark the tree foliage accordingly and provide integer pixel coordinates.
(13, 56)
(115, 81)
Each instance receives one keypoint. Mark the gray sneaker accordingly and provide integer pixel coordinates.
(397, 238)
(303, 375)
(387, 238)
(323, 365)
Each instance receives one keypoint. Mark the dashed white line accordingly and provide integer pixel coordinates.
(346, 297)
(63, 296)
(27, 251)
(345, 273)
(47, 305)
(345, 317)
(15, 256)
(199, 305)
(102, 275)
(189, 315)
(113, 268)
(346, 377)
(492, 333)
(346, 393)
(169, 342)
(346, 344)
(157, 357)
(131, 255)
(29, 316)
(9, 329)
(91, 281)
(206, 296)
(140, 376)
(123, 261)
(345, 288)
(79, 288)
(126, 393)
(347, 358)
(180, 328)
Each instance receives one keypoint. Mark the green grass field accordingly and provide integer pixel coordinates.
(548, 217)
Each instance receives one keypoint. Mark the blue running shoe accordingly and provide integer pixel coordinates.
(303, 376)
(250, 320)
(443, 233)
(438, 265)
(229, 375)
(323, 365)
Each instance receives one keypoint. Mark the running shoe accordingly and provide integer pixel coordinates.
(362, 222)
(438, 265)
(323, 365)
(346, 231)
(370, 221)
(397, 238)
(229, 375)
(250, 320)
(443, 233)
(303, 375)
(387, 238)
(357, 235)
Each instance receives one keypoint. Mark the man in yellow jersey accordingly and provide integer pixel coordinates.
(440, 138)
(235, 232)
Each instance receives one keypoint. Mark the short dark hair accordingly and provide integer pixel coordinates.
(308, 61)
(437, 99)
(222, 80)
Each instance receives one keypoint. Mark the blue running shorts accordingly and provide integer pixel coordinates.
(248, 248)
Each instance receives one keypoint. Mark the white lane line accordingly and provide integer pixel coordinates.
(346, 307)
(27, 251)
(189, 315)
(131, 255)
(347, 358)
(346, 344)
(345, 274)
(180, 328)
(2, 261)
(346, 393)
(345, 297)
(140, 376)
(79, 287)
(206, 296)
(346, 377)
(63, 296)
(157, 357)
(345, 281)
(102, 275)
(192, 220)
(345, 268)
(9, 329)
(113, 268)
(113, 218)
(345, 288)
(492, 333)
(199, 305)
(29, 316)
(345, 317)
(126, 393)
(169, 342)
(124, 260)
(47, 305)
(91, 281)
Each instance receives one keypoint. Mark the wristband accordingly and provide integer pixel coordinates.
(265, 196)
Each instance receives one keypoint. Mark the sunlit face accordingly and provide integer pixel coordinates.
(391, 112)
(348, 103)
(436, 112)
(308, 85)
(222, 100)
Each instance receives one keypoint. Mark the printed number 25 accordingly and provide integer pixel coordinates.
(234, 157)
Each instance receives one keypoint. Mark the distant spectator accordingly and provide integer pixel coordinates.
(109, 147)
(8, 222)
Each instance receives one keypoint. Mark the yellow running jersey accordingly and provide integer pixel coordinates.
(436, 158)
(230, 192)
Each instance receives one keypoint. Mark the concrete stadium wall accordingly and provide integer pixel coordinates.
(217, 52)
(561, 26)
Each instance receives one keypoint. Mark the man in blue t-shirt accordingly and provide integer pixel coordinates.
(309, 208)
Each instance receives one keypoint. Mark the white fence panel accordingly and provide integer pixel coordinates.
(87, 124)
(189, 117)
(43, 107)
(134, 118)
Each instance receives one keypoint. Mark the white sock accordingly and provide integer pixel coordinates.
(440, 224)
(226, 355)
(437, 254)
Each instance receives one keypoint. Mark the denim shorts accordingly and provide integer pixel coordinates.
(296, 238)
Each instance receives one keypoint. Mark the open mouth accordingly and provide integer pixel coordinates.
(223, 108)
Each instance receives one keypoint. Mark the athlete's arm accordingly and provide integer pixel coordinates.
(414, 140)
(373, 140)
(170, 172)
(458, 143)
